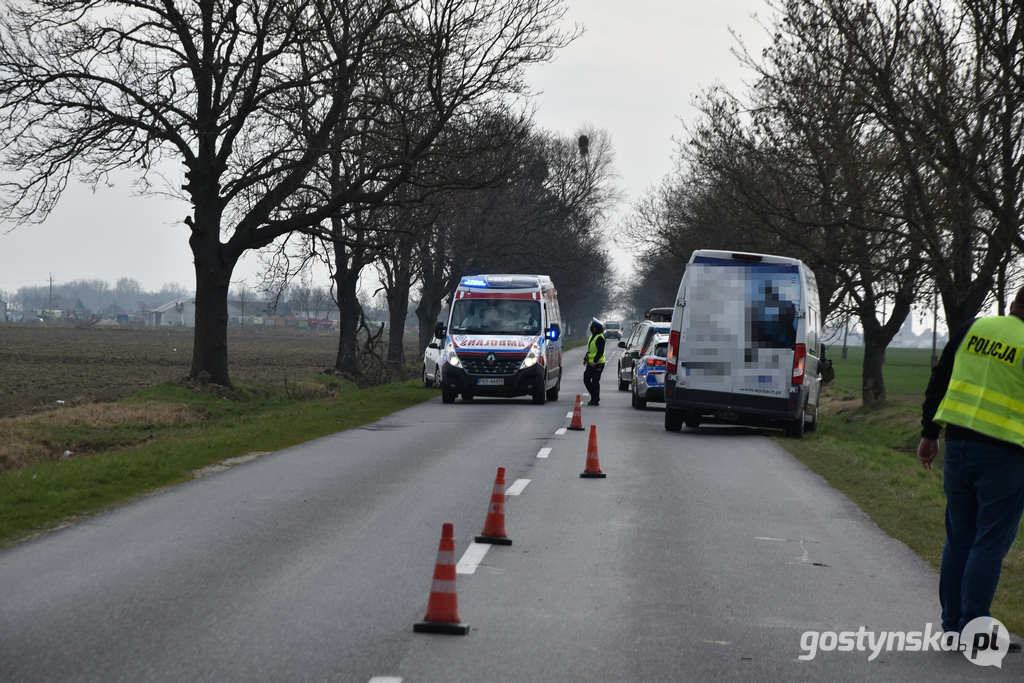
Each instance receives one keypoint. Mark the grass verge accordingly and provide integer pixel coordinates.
(870, 455)
(44, 493)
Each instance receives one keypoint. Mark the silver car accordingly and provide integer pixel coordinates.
(637, 345)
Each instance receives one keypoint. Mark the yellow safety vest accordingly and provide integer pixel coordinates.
(592, 349)
(986, 389)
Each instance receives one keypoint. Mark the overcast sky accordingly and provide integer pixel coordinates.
(633, 73)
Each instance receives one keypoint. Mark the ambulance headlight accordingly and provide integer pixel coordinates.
(450, 357)
(532, 358)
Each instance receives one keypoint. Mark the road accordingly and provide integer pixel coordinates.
(703, 556)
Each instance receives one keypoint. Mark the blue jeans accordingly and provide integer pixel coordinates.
(984, 488)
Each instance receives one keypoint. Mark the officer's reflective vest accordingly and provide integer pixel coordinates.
(592, 349)
(986, 389)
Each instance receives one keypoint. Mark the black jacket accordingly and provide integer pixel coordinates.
(937, 385)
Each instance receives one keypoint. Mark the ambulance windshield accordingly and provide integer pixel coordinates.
(496, 316)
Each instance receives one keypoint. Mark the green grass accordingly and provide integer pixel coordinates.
(247, 419)
(871, 456)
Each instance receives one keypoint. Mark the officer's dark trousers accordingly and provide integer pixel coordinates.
(984, 487)
(592, 381)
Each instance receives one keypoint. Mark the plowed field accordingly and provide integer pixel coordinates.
(42, 365)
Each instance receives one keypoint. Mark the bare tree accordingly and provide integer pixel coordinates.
(252, 97)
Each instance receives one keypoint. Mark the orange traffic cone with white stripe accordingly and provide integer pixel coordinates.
(593, 468)
(443, 607)
(577, 416)
(494, 525)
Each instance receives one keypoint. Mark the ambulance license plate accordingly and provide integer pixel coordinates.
(493, 381)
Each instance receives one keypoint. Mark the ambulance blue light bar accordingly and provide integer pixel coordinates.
(502, 281)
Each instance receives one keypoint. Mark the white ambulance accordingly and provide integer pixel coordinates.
(503, 338)
(745, 343)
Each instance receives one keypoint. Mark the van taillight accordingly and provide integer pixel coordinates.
(799, 361)
(673, 351)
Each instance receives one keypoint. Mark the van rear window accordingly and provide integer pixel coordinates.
(768, 292)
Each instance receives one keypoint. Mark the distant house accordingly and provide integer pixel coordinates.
(3, 311)
(180, 312)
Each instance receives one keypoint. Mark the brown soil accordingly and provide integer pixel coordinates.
(42, 365)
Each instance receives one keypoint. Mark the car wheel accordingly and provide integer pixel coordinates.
(795, 429)
(437, 376)
(623, 385)
(553, 392)
(632, 398)
(673, 419)
(426, 382)
(448, 395)
(639, 403)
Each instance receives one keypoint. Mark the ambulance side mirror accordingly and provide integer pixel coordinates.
(440, 330)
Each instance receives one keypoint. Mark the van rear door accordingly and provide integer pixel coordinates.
(739, 326)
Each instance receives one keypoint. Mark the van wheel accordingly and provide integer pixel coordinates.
(467, 396)
(553, 392)
(538, 398)
(691, 419)
(795, 429)
(448, 395)
(673, 419)
(812, 426)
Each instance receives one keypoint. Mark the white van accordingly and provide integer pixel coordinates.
(503, 338)
(745, 343)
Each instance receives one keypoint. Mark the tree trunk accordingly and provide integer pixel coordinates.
(432, 256)
(347, 267)
(213, 278)
(876, 340)
(873, 383)
(398, 307)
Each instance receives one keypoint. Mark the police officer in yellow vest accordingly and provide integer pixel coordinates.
(976, 392)
(594, 362)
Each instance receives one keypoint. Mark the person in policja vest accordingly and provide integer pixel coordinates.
(594, 362)
(976, 392)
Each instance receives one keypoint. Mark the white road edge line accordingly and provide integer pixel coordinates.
(473, 556)
(386, 679)
(544, 452)
(559, 432)
(517, 487)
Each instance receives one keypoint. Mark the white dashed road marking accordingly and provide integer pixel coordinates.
(544, 452)
(517, 487)
(473, 556)
(559, 432)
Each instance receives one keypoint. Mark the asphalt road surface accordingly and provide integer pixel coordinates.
(705, 555)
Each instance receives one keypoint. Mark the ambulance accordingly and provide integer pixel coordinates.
(745, 343)
(503, 338)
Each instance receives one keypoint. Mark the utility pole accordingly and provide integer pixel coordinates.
(49, 310)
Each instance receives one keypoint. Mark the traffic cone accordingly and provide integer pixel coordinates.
(494, 525)
(577, 416)
(593, 468)
(443, 607)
